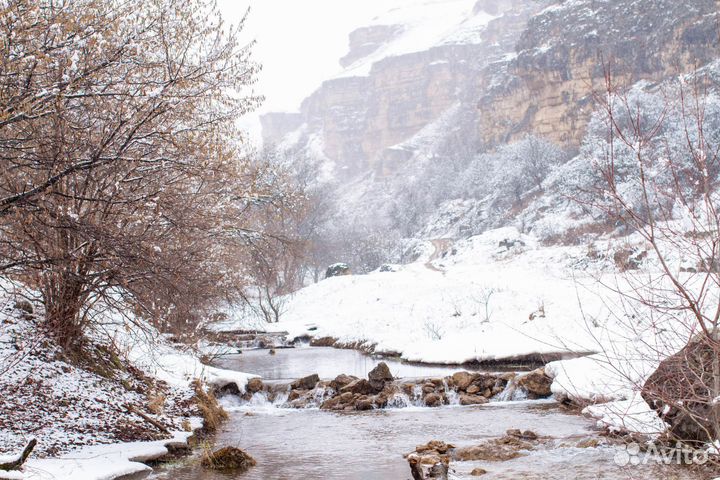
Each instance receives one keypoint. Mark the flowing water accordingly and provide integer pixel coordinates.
(314, 444)
(294, 363)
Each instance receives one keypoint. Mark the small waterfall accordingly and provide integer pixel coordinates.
(451, 394)
(511, 393)
(417, 396)
(399, 400)
(320, 394)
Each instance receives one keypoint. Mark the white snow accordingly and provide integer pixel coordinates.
(484, 303)
(425, 25)
(103, 462)
(77, 413)
(633, 415)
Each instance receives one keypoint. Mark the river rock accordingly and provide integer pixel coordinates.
(477, 472)
(462, 380)
(306, 383)
(435, 446)
(472, 399)
(431, 460)
(526, 435)
(485, 381)
(380, 373)
(429, 388)
(496, 450)
(536, 384)
(254, 385)
(360, 386)
(229, 459)
(341, 381)
(433, 400)
(472, 389)
(364, 403)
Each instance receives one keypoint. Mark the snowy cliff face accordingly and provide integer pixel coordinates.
(404, 72)
(514, 67)
(415, 125)
(547, 87)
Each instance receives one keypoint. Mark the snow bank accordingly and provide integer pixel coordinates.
(493, 297)
(147, 350)
(104, 462)
(611, 386)
(632, 415)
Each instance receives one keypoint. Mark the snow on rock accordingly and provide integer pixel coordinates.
(424, 25)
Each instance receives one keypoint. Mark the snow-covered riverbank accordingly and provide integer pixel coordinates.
(90, 415)
(500, 296)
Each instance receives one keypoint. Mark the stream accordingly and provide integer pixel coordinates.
(317, 444)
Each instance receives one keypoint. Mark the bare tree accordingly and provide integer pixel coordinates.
(658, 176)
(124, 180)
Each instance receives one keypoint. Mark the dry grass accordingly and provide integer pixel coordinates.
(227, 459)
(213, 414)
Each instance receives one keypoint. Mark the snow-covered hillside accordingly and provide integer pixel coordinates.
(420, 26)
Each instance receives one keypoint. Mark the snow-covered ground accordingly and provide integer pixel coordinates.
(78, 410)
(478, 301)
(497, 296)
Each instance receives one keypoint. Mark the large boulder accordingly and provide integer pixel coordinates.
(536, 384)
(680, 391)
(380, 373)
(306, 383)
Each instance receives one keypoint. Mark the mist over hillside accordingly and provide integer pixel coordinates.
(450, 117)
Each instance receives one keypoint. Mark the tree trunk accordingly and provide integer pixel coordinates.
(62, 295)
(16, 464)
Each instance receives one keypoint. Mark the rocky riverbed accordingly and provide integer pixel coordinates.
(381, 390)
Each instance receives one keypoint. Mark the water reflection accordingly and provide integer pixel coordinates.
(291, 364)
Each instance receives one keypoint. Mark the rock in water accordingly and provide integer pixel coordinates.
(229, 459)
(433, 400)
(380, 373)
(430, 461)
(254, 385)
(472, 399)
(536, 384)
(306, 383)
(462, 380)
(679, 391)
(341, 381)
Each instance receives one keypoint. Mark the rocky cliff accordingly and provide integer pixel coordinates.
(565, 51)
(360, 116)
(507, 67)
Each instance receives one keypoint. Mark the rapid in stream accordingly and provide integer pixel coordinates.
(316, 444)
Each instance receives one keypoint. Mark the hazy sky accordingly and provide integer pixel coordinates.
(300, 41)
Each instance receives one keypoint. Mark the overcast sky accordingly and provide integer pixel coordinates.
(300, 41)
